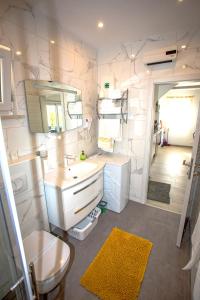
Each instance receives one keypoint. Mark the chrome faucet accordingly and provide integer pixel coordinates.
(68, 157)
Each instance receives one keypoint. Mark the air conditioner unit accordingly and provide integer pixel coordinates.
(163, 57)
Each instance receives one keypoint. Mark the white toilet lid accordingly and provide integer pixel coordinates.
(48, 253)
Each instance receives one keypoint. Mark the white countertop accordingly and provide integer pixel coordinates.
(57, 178)
(111, 158)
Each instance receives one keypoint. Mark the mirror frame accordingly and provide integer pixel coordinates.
(32, 89)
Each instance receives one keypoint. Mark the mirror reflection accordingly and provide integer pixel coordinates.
(52, 106)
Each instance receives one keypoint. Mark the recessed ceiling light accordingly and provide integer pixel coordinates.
(52, 42)
(180, 0)
(147, 71)
(184, 66)
(18, 53)
(183, 46)
(100, 24)
(132, 55)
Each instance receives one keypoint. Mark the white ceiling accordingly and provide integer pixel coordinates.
(124, 20)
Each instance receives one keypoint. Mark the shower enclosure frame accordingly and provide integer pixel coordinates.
(14, 219)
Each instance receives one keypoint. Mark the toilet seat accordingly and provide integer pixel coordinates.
(50, 256)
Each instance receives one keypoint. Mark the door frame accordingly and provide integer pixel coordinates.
(153, 82)
(189, 182)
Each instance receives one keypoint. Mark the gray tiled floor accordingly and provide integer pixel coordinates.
(164, 279)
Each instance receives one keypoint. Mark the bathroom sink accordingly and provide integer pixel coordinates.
(65, 178)
(78, 170)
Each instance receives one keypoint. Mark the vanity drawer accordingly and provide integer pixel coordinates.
(72, 217)
(79, 196)
(79, 201)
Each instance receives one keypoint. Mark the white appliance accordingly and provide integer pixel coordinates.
(162, 56)
(117, 182)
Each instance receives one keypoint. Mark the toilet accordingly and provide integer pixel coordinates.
(50, 257)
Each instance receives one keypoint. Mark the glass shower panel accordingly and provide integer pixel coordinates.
(9, 257)
(1, 96)
(14, 279)
(9, 271)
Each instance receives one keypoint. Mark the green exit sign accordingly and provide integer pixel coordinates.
(106, 85)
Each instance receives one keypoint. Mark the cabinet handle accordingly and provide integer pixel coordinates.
(80, 209)
(85, 187)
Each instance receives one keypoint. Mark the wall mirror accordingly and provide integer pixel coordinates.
(53, 106)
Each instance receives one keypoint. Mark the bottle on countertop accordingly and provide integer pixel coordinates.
(83, 156)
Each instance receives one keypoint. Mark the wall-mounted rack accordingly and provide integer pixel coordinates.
(76, 116)
(122, 114)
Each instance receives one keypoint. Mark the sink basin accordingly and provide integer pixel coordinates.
(73, 174)
(78, 170)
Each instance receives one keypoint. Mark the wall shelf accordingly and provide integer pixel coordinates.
(111, 116)
(11, 117)
(22, 159)
(123, 103)
(76, 116)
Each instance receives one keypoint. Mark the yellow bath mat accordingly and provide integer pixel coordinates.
(117, 271)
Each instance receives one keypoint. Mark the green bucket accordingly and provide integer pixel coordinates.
(102, 205)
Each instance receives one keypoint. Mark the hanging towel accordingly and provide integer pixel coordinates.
(109, 107)
(110, 128)
(106, 144)
(195, 257)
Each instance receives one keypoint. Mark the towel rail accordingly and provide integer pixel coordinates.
(122, 115)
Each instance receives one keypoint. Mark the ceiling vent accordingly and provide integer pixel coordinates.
(162, 57)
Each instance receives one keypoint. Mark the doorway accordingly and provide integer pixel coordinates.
(175, 113)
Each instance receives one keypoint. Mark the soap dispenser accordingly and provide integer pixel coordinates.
(83, 156)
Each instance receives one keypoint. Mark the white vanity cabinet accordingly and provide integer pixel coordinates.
(67, 207)
(117, 182)
(117, 172)
(5, 79)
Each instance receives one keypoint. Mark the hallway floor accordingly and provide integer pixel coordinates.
(168, 167)
(164, 278)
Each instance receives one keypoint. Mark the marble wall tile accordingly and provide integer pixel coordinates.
(30, 200)
(19, 139)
